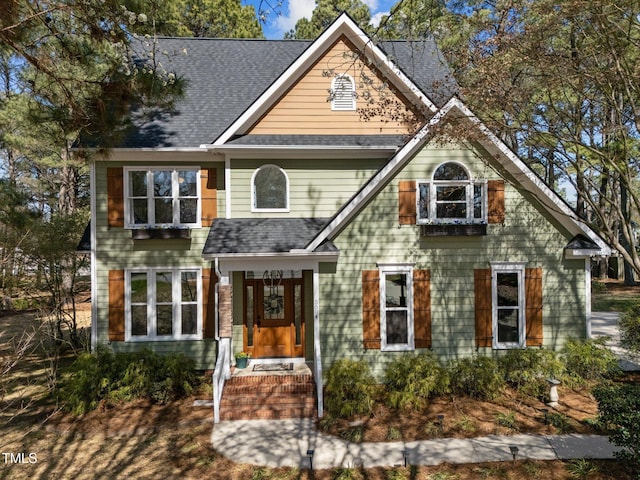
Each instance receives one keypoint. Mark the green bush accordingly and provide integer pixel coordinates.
(630, 328)
(619, 409)
(527, 370)
(117, 377)
(477, 377)
(410, 380)
(349, 389)
(589, 360)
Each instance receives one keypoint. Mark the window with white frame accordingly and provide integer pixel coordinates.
(508, 292)
(270, 189)
(396, 308)
(343, 93)
(163, 304)
(452, 196)
(162, 197)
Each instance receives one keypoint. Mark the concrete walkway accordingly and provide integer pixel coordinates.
(605, 324)
(284, 443)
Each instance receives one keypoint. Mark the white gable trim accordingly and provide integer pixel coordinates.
(343, 25)
(509, 160)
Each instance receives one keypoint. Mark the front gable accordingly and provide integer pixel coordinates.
(314, 105)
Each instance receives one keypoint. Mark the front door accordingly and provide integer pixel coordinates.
(273, 320)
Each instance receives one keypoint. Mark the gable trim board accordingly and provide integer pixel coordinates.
(342, 26)
(551, 201)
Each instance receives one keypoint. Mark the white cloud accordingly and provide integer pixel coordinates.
(377, 18)
(372, 4)
(297, 10)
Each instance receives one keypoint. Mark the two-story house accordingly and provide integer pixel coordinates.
(313, 201)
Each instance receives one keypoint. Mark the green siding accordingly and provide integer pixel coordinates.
(317, 188)
(375, 236)
(116, 250)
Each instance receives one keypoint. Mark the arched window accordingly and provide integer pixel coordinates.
(270, 189)
(451, 196)
(343, 93)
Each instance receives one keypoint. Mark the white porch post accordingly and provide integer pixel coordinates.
(317, 356)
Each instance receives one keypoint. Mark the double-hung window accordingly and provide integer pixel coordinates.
(508, 292)
(452, 197)
(162, 197)
(163, 304)
(396, 315)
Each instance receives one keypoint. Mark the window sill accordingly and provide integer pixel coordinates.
(160, 233)
(445, 230)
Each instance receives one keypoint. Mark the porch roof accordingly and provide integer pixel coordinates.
(264, 236)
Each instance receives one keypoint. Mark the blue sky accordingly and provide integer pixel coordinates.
(291, 10)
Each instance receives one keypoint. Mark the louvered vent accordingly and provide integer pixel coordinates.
(343, 91)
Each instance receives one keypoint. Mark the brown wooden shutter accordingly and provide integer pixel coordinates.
(422, 308)
(116, 305)
(533, 308)
(495, 196)
(115, 197)
(209, 192)
(407, 202)
(484, 316)
(371, 309)
(208, 303)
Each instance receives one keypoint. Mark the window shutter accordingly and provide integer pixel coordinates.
(495, 196)
(208, 304)
(116, 305)
(407, 202)
(371, 309)
(482, 281)
(533, 307)
(115, 197)
(422, 308)
(209, 193)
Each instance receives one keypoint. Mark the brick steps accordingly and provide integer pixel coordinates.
(268, 397)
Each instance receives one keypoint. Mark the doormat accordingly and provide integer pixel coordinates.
(273, 367)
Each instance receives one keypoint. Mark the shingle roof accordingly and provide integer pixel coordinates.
(321, 140)
(225, 76)
(263, 235)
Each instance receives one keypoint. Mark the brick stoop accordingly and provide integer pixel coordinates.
(268, 397)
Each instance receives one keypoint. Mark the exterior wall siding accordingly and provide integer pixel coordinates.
(317, 188)
(306, 108)
(115, 249)
(375, 236)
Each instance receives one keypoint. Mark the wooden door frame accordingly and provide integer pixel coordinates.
(297, 350)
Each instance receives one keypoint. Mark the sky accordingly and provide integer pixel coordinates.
(276, 25)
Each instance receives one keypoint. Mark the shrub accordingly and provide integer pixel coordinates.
(349, 389)
(477, 377)
(527, 370)
(630, 328)
(589, 360)
(619, 408)
(411, 380)
(106, 376)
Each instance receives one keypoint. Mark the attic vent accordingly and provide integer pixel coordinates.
(343, 93)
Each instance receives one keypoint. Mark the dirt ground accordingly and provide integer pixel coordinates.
(141, 440)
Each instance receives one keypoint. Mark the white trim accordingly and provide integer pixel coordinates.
(151, 303)
(587, 290)
(250, 263)
(254, 208)
(93, 258)
(201, 149)
(150, 198)
(401, 269)
(519, 269)
(317, 353)
(227, 186)
(342, 26)
(529, 180)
